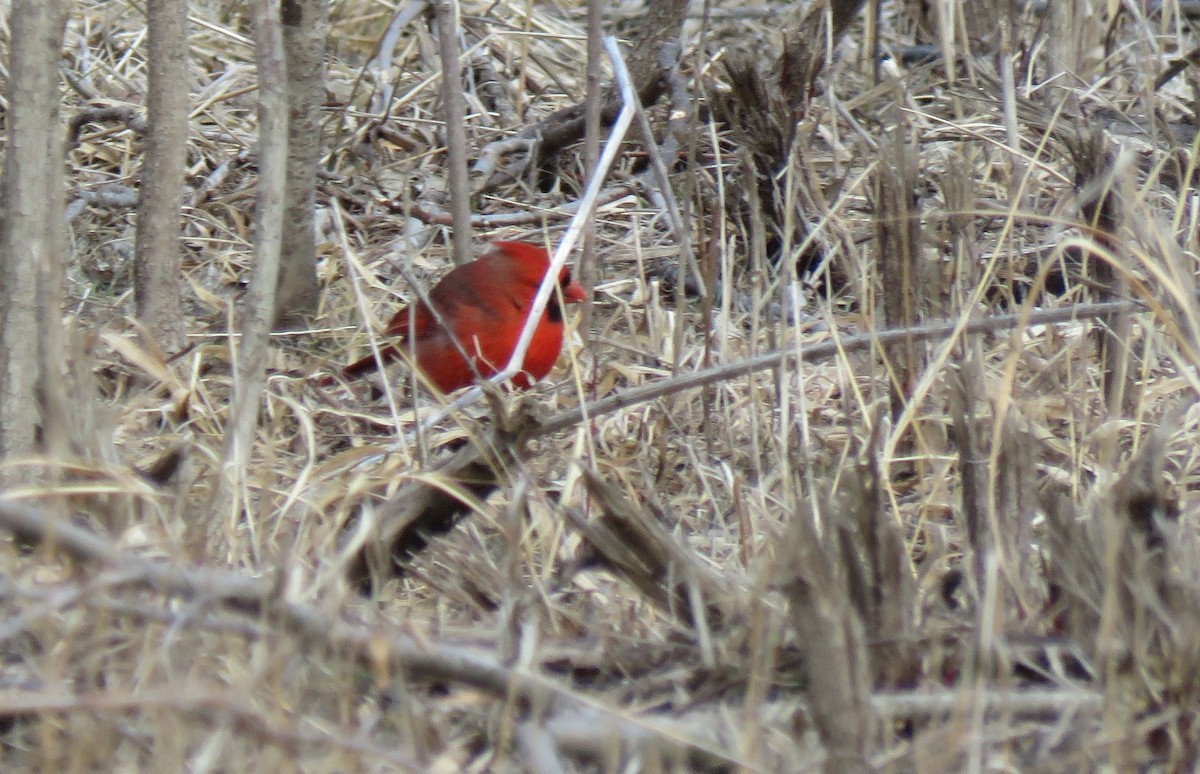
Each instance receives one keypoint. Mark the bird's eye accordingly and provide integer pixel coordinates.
(565, 279)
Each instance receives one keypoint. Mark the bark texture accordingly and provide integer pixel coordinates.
(158, 265)
(31, 235)
(305, 28)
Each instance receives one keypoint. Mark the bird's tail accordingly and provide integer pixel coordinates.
(365, 364)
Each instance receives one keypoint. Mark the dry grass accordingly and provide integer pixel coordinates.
(976, 553)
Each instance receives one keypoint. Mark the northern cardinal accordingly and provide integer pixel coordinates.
(484, 305)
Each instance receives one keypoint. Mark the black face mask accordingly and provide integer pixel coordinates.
(554, 310)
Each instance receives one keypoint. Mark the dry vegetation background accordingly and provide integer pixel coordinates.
(966, 551)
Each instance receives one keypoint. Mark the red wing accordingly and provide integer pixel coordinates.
(397, 327)
(453, 297)
(468, 300)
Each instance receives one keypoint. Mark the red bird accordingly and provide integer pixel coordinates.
(483, 305)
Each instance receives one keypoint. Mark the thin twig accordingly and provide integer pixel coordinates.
(766, 361)
(777, 358)
(427, 213)
(1031, 703)
(586, 268)
(456, 131)
(587, 207)
(659, 168)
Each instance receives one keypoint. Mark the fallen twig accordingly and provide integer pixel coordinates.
(372, 646)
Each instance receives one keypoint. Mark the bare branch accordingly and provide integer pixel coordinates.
(259, 309)
(454, 115)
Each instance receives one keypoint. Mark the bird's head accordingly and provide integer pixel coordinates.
(534, 260)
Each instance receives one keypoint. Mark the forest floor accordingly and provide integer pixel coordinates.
(971, 549)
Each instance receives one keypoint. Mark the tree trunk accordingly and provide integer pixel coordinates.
(31, 236)
(157, 268)
(305, 26)
(259, 307)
